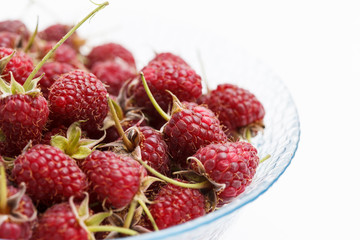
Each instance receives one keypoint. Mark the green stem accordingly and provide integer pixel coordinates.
(130, 214)
(146, 210)
(3, 191)
(32, 39)
(118, 126)
(264, 158)
(152, 99)
(62, 40)
(200, 185)
(108, 228)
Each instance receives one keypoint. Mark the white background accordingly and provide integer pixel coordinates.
(315, 47)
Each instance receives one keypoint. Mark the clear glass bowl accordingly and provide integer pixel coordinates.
(222, 61)
(280, 138)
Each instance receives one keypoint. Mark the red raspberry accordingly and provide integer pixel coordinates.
(15, 26)
(9, 40)
(113, 74)
(179, 79)
(21, 65)
(236, 107)
(233, 164)
(57, 31)
(22, 118)
(114, 178)
(174, 205)
(166, 56)
(52, 71)
(49, 174)
(154, 150)
(12, 229)
(112, 52)
(60, 222)
(63, 54)
(191, 128)
(79, 95)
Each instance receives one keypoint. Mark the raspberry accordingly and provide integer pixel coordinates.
(166, 56)
(15, 26)
(191, 128)
(112, 52)
(236, 107)
(9, 40)
(52, 71)
(114, 178)
(233, 164)
(174, 205)
(57, 31)
(22, 118)
(49, 174)
(113, 74)
(21, 65)
(79, 95)
(179, 79)
(59, 222)
(63, 54)
(154, 150)
(13, 229)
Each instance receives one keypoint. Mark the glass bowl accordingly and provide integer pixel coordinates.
(218, 60)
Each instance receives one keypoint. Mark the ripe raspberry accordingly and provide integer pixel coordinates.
(63, 54)
(12, 229)
(49, 174)
(112, 52)
(166, 56)
(114, 178)
(79, 95)
(60, 222)
(191, 128)
(21, 65)
(174, 205)
(22, 118)
(236, 107)
(113, 74)
(57, 31)
(233, 164)
(179, 79)
(154, 150)
(9, 40)
(52, 71)
(15, 26)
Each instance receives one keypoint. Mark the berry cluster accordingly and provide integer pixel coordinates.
(93, 147)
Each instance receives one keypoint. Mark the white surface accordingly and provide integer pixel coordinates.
(315, 47)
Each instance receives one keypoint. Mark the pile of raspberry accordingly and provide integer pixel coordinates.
(85, 154)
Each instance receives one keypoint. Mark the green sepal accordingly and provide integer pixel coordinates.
(97, 219)
(15, 87)
(81, 153)
(4, 88)
(83, 209)
(73, 145)
(59, 142)
(5, 60)
(33, 84)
